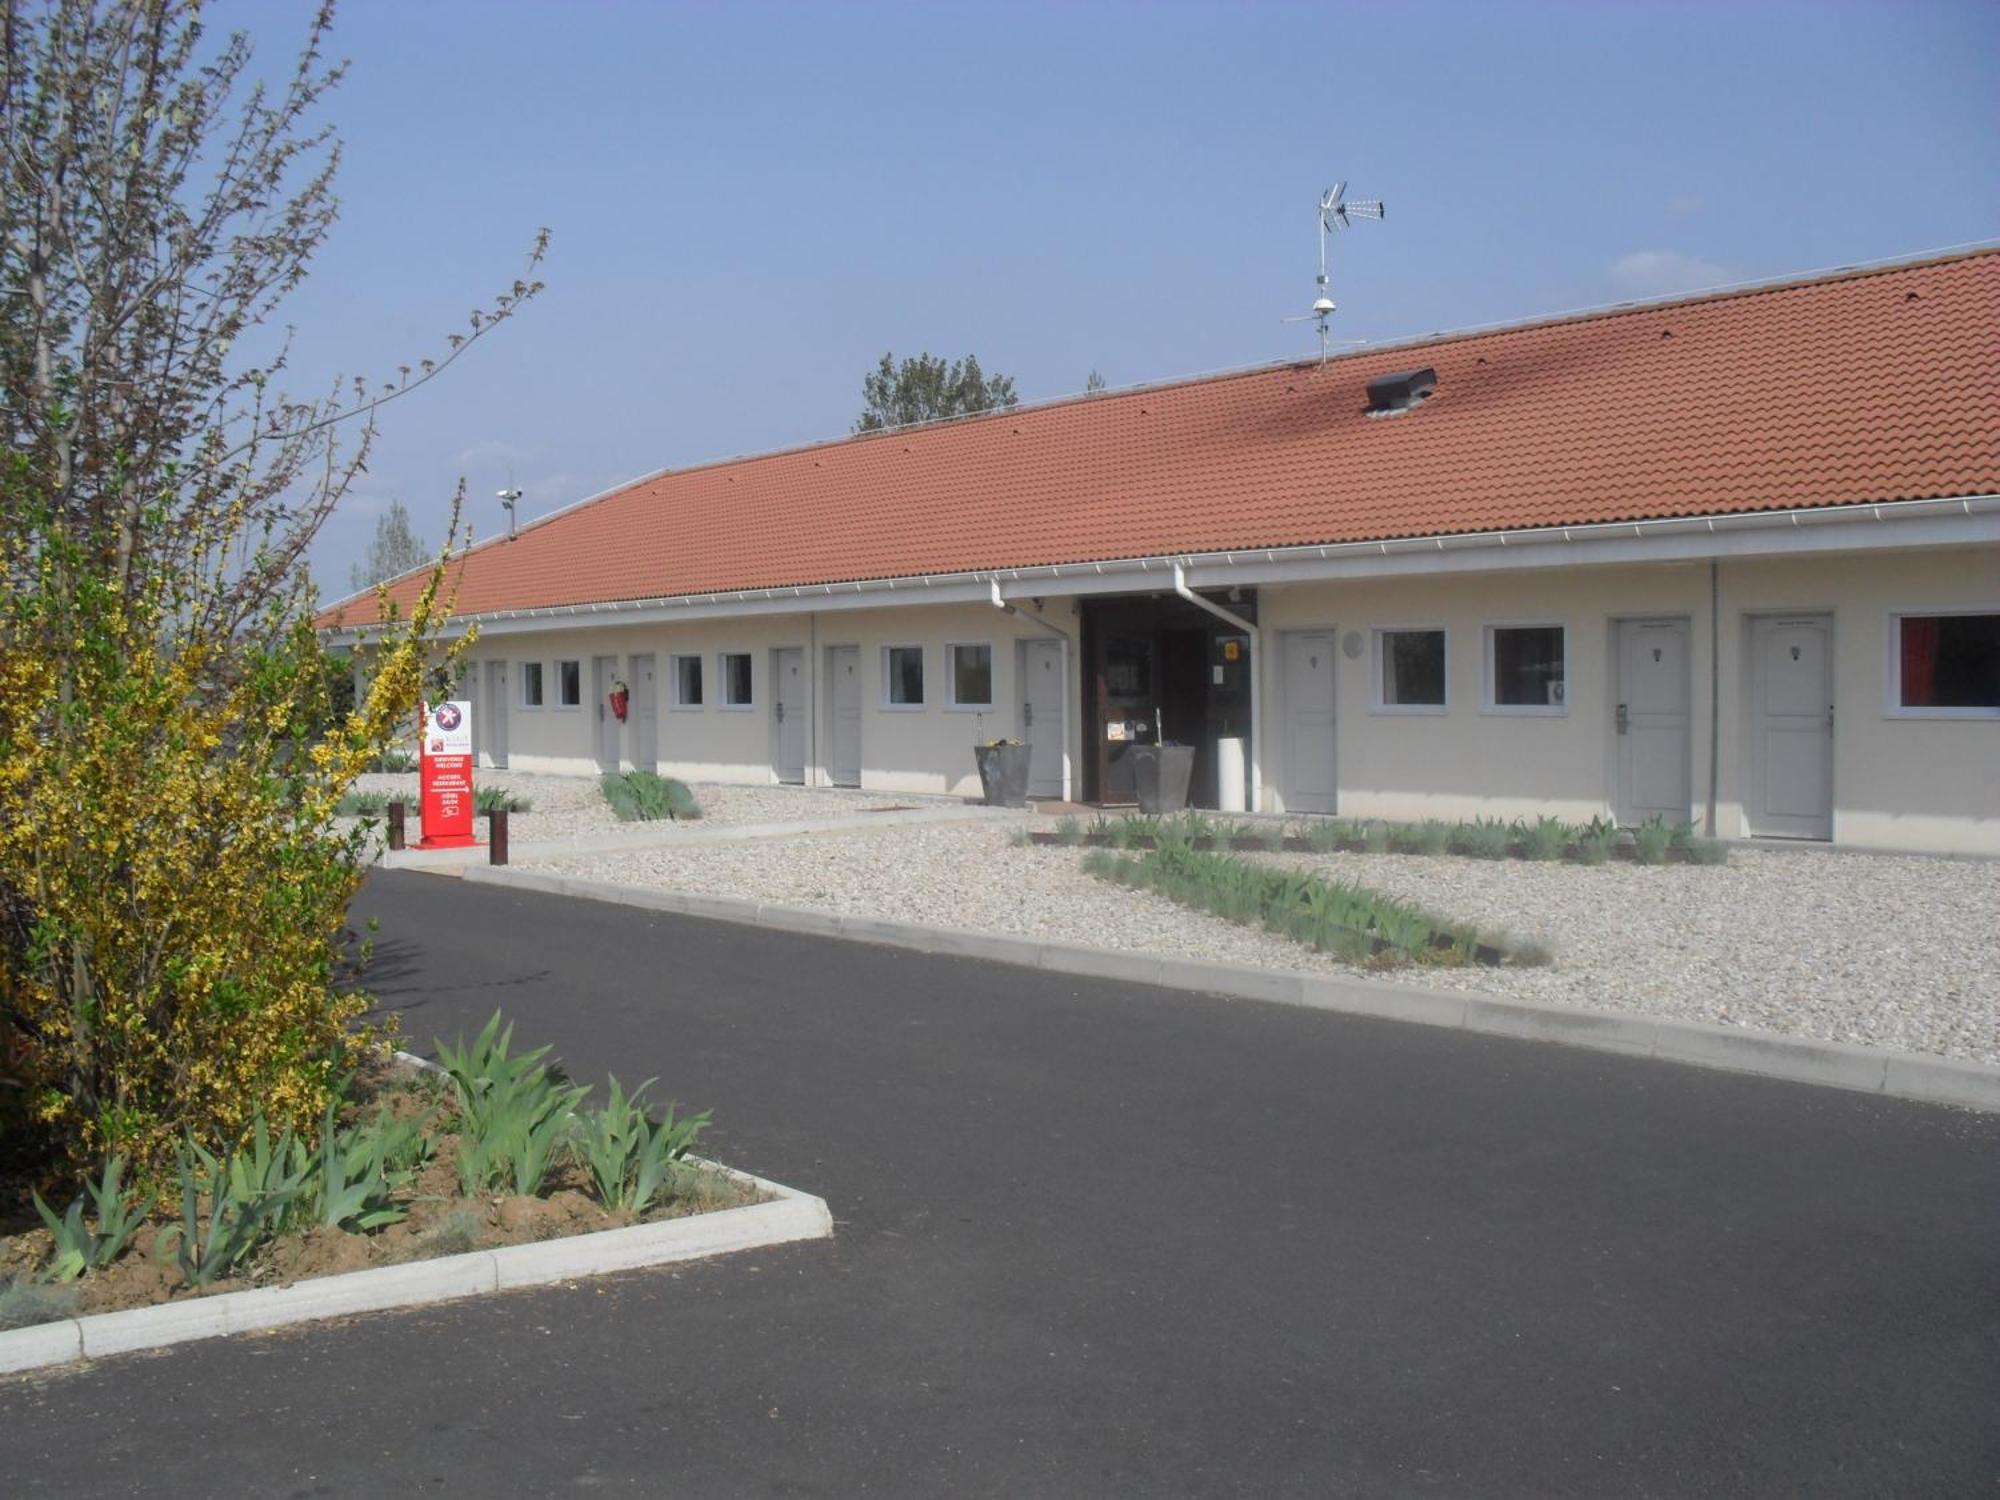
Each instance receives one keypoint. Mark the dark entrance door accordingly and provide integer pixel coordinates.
(1156, 666)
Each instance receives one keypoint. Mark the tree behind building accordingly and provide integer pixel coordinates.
(928, 389)
(395, 551)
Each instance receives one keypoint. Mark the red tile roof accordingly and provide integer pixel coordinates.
(1870, 385)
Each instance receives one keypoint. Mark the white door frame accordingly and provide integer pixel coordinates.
(1620, 741)
(1755, 623)
(1288, 772)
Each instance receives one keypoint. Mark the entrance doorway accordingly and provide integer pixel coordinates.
(843, 671)
(645, 711)
(1651, 722)
(489, 716)
(1156, 667)
(788, 715)
(1791, 726)
(603, 672)
(1309, 769)
(1042, 695)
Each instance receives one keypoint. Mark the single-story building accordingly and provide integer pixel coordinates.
(1732, 559)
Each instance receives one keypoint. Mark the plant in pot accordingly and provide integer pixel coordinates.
(1160, 775)
(1003, 771)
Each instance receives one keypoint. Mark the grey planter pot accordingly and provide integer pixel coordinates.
(1003, 774)
(1160, 775)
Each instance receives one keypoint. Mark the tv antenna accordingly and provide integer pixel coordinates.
(508, 497)
(1335, 212)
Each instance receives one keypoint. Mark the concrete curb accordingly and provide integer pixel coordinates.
(790, 1216)
(1732, 1049)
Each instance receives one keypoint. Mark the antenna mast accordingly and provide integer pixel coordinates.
(1335, 212)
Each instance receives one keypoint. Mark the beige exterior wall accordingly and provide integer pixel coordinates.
(919, 750)
(1898, 782)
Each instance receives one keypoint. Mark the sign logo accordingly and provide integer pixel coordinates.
(447, 716)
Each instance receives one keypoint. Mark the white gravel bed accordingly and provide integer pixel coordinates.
(560, 806)
(1894, 952)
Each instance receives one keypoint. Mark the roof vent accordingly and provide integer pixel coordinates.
(1406, 390)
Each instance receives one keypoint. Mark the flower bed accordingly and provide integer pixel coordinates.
(1333, 916)
(1592, 843)
(494, 1150)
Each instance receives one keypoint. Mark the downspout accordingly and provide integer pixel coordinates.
(1008, 607)
(1256, 684)
(1714, 684)
(815, 774)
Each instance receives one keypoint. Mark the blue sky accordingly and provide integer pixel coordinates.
(751, 203)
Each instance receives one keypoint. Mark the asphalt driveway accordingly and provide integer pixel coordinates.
(1100, 1239)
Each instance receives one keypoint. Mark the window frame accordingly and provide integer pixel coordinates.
(1893, 706)
(951, 701)
(560, 706)
(1380, 705)
(722, 703)
(1488, 705)
(541, 686)
(674, 703)
(888, 678)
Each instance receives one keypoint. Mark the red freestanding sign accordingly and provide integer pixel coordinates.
(447, 775)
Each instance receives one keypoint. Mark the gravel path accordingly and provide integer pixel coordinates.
(1895, 952)
(560, 806)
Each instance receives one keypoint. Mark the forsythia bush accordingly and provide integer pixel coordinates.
(172, 896)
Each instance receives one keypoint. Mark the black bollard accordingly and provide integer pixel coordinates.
(395, 825)
(496, 836)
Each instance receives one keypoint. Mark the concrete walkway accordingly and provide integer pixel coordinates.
(1099, 1238)
(657, 835)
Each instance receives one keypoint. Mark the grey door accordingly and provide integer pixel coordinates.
(645, 713)
(1309, 777)
(1042, 697)
(603, 672)
(1651, 722)
(1791, 719)
(788, 714)
(843, 671)
(489, 715)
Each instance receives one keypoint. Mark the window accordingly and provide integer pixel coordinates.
(687, 681)
(1945, 666)
(531, 684)
(1525, 669)
(971, 676)
(736, 679)
(902, 676)
(1409, 671)
(569, 684)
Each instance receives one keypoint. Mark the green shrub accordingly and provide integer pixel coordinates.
(1545, 838)
(1129, 832)
(362, 805)
(631, 1156)
(1650, 841)
(81, 1247)
(1332, 915)
(491, 799)
(251, 1198)
(1681, 835)
(1376, 838)
(1069, 832)
(647, 797)
(1708, 851)
(1327, 835)
(1483, 838)
(393, 763)
(1595, 841)
(515, 1113)
(357, 1171)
